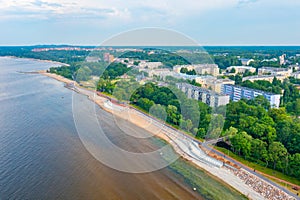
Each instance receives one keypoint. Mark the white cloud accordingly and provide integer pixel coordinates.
(47, 9)
(112, 9)
(125, 11)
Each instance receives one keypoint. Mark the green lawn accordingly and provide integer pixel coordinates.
(207, 185)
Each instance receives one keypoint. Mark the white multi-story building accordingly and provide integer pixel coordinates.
(208, 97)
(236, 93)
(263, 78)
(282, 59)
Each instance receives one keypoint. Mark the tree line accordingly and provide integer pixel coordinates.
(270, 137)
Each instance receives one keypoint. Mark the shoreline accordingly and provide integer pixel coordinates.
(220, 174)
(38, 60)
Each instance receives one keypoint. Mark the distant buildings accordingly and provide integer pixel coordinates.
(201, 69)
(204, 79)
(177, 68)
(208, 97)
(246, 61)
(241, 69)
(282, 59)
(184, 76)
(66, 49)
(154, 69)
(107, 57)
(296, 75)
(236, 93)
(212, 83)
(162, 73)
(295, 67)
(216, 85)
(150, 65)
(268, 74)
(270, 60)
(269, 78)
(92, 59)
(275, 71)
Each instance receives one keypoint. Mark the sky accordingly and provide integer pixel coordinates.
(209, 22)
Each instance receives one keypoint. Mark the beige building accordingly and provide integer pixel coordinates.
(177, 68)
(204, 79)
(201, 69)
(158, 72)
(107, 57)
(216, 85)
(275, 71)
(212, 83)
(241, 69)
(150, 65)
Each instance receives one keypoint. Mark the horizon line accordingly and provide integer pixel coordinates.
(203, 45)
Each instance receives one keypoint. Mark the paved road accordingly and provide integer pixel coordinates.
(205, 145)
(250, 170)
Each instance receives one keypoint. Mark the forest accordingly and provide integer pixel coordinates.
(271, 136)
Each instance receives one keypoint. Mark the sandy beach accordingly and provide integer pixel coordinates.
(136, 117)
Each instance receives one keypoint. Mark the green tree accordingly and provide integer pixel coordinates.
(241, 143)
(158, 111)
(231, 131)
(278, 155)
(294, 165)
(259, 150)
(297, 107)
(173, 116)
(187, 124)
(145, 103)
(83, 74)
(201, 133)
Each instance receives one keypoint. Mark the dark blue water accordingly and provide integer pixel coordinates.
(41, 156)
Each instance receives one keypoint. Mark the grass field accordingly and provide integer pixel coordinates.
(208, 186)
